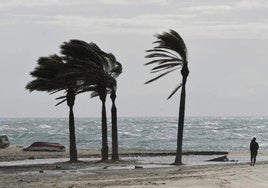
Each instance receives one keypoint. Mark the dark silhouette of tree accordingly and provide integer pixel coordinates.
(50, 76)
(86, 52)
(107, 84)
(98, 73)
(169, 55)
(101, 91)
(115, 71)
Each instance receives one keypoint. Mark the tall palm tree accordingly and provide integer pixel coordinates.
(105, 69)
(88, 54)
(100, 90)
(107, 84)
(48, 76)
(169, 55)
(115, 71)
(115, 155)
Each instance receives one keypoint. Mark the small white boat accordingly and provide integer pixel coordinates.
(4, 142)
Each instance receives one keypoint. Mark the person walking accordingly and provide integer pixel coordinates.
(254, 146)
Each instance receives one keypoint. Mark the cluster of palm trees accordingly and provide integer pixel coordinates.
(84, 67)
(81, 67)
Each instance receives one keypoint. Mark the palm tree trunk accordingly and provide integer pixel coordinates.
(115, 155)
(184, 72)
(73, 150)
(105, 149)
(70, 103)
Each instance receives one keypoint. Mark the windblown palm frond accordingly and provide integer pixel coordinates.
(80, 50)
(161, 75)
(45, 74)
(53, 74)
(169, 55)
(90, 65)
(172, 41)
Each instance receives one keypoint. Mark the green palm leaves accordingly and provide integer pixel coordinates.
(169, 55)
(45, 74)
(91, 66)
(82, 67)
(96, 71)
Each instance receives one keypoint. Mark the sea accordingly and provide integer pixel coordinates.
(143, 133)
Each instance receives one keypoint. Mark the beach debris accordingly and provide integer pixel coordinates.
(41, 171)
(137, 167)
(58, 167)
(4, 141)
(105, 167)
(220, 159)
(45, 146)
(21, 180)
(72, 186)
(233, 160)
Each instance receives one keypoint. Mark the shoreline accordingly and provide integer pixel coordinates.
(123, 173)
(16, 153)
(13, 153)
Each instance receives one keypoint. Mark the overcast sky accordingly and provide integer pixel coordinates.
(227, 43)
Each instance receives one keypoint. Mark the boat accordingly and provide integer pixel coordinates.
(4, 141)
(45, 146)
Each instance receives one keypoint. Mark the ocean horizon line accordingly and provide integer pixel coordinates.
(96, 117)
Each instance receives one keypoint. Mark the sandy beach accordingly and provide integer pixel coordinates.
(91, 173)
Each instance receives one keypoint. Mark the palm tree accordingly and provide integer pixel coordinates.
(49, 76)
(115, 71)
(101, 91)
(115, 155)
(88, 54)
(107, 84)
(104, 68)
(169, 55)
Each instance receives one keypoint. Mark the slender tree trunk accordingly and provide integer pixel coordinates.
(73, 150)
(184, 72)
(115, 155)
(105, 149)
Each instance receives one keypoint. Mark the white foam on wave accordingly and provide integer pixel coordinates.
(4, 127)
(200, 133)
(44, 126)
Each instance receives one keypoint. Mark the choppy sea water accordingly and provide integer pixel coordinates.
(157, 133)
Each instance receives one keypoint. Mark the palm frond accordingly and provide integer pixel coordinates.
(175, 90)
(116, 70)
(62, 97)
(76, 49)
(159, 76)
(166, 66)
(154, 55)
(64, 100)
(56, 90)
(40, 84)
(82, 67)
(94, 94)
(169, 54)
(172, 40)
(161, 61)
(166, 51)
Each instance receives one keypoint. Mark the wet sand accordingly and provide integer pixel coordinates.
(118, 174)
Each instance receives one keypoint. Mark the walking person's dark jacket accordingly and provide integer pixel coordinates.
(254, 146)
